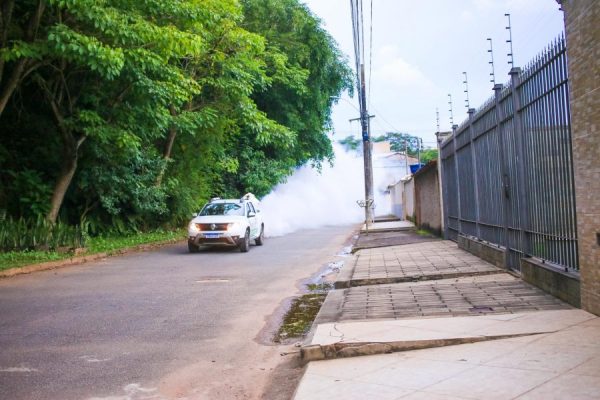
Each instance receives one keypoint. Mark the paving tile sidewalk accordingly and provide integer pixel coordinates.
(503, 295)
(482, 332)
(417, 261)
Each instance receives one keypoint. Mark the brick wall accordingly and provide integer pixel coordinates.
(582, 23)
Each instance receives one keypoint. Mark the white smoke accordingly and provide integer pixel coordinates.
(310, 199)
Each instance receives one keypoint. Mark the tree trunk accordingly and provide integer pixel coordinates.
(70, 150)
(18, 72)
(170, 141)
(168, 148)
(172, 136)
(60, 188)
(6, 11)
(12, 84)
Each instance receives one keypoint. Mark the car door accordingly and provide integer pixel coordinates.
(252, 220)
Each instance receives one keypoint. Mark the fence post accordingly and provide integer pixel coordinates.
(520, 147)
(505, 178)
(441, 186)
(471, 112)
(455, 156)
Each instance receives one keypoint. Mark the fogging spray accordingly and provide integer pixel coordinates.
(312, 199)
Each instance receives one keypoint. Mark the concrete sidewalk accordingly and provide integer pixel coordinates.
(430, 321)
(562, 364)
(388, 226)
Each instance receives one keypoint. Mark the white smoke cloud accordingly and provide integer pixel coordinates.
(310, 199)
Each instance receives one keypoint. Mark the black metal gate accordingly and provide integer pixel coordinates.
(507, 171)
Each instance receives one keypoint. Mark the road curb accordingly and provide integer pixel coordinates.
(381, 230)
(358, 247)
(28, 269)
(348, 283)
(343, 280)
(333, 351)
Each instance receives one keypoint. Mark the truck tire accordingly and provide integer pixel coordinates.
(260, 240)
(245, 243)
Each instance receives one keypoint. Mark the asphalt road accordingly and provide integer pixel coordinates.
(162, 324)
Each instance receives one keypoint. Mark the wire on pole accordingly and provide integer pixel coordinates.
(491, 62)
(450, 110)
(511, 59)
(466, 82)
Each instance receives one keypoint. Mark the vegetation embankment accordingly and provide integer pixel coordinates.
(124, 116)
(105, 244)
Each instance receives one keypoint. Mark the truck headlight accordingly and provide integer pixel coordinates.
(234, 226)
(192, 228)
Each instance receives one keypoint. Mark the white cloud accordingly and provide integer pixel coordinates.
(466, 16)
(520, 6)
(396, 71)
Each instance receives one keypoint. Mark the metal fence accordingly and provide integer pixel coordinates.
(507, 171)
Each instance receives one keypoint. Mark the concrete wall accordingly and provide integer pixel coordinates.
(493, 254)
(582, 25)
(408, 199)
(396, 199)
(427, 198)
(557, 282)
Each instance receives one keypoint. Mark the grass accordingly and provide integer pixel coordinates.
(110, 244)
(298, 320)
(14, 259)
(423, 232)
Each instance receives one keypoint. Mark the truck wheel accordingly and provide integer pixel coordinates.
(245, 244)
(260, 240)
(193, 248)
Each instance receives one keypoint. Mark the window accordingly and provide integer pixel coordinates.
(222, 209)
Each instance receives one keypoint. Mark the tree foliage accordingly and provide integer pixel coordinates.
(428, 155)
(131, 113)
(402, 142)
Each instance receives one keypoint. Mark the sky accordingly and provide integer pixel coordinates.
(420, 50)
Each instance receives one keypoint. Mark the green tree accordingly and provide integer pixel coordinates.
(131, 113)
(350, 143)
(305, 70)
(428, 155)
(401, 142)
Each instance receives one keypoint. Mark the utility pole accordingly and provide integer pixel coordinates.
(367, 156)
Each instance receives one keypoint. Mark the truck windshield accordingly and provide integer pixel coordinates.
(222, 209)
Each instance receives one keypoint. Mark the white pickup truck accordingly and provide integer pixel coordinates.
(227, 222)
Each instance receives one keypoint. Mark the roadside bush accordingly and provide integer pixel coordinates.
(38, 234)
